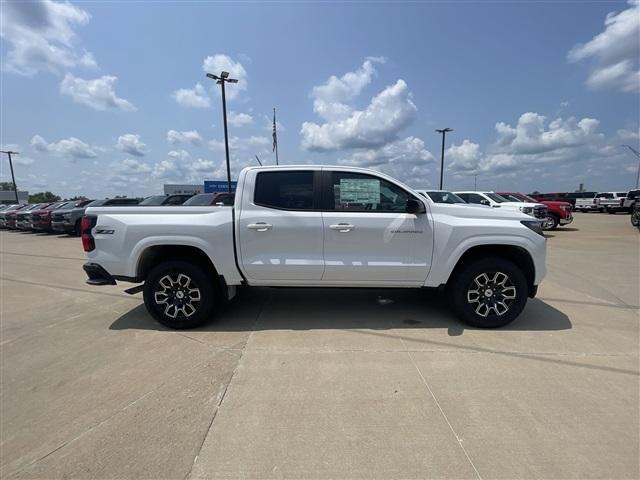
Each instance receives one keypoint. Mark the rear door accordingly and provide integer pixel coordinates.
(368, 235)
(280, 226)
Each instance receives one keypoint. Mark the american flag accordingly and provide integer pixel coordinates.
(274, 134)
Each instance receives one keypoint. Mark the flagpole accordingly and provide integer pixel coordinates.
(275, 136)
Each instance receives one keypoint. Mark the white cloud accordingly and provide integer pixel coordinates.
(533, 142)
(195, 97)
(179, 154)
(389, 112)
(98, 93)
(239, 119)
(222, 63)
(406, 159)
(131, 144)
(132, 166)
(615, 52)
(40, 36)
(191, 136)
(330, 100)
(70, 147)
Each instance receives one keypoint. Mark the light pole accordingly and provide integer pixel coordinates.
(13, 178)
(221, 80)
(475, 181)
(444, 132)
(637, 154)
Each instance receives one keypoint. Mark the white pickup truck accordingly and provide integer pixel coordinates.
(315, 226)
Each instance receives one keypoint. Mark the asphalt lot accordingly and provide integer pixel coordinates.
(291, 383)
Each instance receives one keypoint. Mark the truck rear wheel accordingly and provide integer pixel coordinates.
(488, 293)
(179, 294)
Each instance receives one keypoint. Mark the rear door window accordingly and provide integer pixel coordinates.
(290, 190)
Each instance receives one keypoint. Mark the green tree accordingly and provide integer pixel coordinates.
(6, 186)
(43, 197)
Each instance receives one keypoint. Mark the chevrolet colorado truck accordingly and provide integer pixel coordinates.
(317, 226)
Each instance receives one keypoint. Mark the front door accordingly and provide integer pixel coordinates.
(368, 235)
(280, 228)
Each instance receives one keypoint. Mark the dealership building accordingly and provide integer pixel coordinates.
(8, 197)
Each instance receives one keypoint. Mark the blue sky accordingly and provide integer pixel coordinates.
(106, 98)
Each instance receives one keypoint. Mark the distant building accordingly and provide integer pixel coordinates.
(7, 197)
(173, 189)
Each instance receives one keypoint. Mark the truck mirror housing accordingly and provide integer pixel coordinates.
(415, 207)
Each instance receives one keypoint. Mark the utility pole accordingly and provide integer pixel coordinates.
(637, 154)
(13, 177)
(475, 181)
(221, 80)
(444, 132)
(275, 135)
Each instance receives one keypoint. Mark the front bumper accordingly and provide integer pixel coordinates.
(62, 226)
(566, 221)
(98, 275)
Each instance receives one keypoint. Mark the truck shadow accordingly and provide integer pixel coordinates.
(373, 309)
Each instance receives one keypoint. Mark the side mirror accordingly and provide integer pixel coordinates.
(415, 207)
(484, 202)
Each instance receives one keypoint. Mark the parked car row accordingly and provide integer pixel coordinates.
(66, 216)
(551, 214)
(610, 202)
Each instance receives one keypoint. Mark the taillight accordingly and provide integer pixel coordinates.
(86, 224)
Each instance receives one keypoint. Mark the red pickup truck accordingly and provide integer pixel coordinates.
(558, 213)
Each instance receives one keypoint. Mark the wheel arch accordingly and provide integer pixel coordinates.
(518, 255)
(155, 254)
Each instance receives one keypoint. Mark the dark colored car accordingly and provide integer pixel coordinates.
(67, 219)
(114, 202)
(7, 211)
(165, 200)
(203, 199)
(41, 218)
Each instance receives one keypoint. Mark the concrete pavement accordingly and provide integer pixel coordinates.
(289, 383)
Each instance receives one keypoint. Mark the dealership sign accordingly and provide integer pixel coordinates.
(218, 186)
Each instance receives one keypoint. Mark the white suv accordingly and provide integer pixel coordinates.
(492, 199)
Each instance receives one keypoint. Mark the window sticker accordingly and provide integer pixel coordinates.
(357, 190)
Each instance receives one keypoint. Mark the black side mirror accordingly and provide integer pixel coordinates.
(414, 206)
(484, 202)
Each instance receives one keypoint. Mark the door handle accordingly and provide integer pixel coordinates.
(342, 227)
(260, 226)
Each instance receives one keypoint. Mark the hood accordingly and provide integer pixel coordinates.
(518, 205)
(554, 203)
(464, 210)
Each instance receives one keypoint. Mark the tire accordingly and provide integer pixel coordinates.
(611, 212)
(635, 219)
(170, 297)
(551, 222)
(490, 271)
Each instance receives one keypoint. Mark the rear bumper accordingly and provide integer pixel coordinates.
(62, 227)
(98, 275)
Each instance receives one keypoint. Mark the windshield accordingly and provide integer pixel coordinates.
(97, 203)
(444, 197)
(154, 200)
(200, 199)
(496, 198)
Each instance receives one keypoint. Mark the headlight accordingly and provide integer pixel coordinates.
(66, 216)
(533, 225)
(527, 210)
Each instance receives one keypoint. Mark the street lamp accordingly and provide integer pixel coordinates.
(221, 80)
(13, 178)
(444, 132)
(637, 154)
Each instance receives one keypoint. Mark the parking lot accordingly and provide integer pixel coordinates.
(296, 383)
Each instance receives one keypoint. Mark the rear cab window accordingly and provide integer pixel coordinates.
(288, 190)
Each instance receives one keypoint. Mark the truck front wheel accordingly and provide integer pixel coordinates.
(488, 293)
(179, 294)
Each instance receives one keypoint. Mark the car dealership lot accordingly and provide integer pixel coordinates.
(322, 383)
